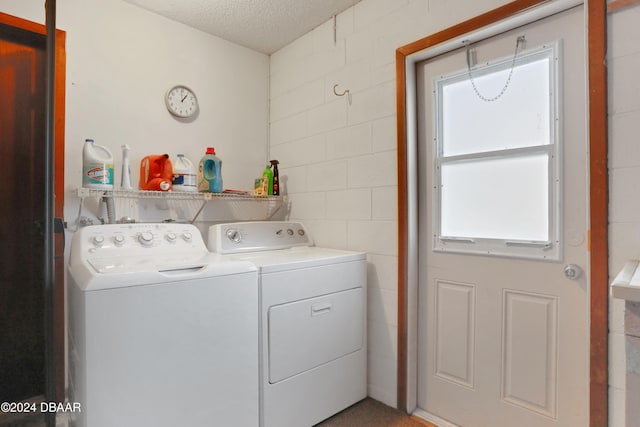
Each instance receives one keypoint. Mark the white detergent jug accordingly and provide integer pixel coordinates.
(184, 175)
(97, 166)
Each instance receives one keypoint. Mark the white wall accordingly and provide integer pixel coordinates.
(120, 62)
(623, 61)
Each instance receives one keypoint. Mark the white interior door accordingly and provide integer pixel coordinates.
(503, 329)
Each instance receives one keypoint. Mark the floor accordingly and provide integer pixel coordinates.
(371, 413)
(31, 420)
(366, 413)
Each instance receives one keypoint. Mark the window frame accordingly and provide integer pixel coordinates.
(550, 249)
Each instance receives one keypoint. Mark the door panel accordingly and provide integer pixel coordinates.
(22, 140)
(455, 331)
(22, 217)
(530, 351)
(503, 341)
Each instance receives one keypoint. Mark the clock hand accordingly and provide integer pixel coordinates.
(185, 97)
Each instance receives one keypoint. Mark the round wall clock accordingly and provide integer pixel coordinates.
(181, 101)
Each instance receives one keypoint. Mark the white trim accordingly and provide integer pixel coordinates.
(433, 419)
(523, 18)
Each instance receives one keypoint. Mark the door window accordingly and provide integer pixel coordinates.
(497, 174)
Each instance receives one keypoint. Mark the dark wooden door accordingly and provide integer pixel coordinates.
(22, 214)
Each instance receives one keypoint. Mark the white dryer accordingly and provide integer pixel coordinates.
(161, 331)
(313, 317)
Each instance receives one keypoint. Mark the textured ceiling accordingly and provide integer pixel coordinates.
(262, 25)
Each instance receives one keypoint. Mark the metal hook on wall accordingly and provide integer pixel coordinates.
(344, 92)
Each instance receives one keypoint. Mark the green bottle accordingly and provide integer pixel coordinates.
(267, 180)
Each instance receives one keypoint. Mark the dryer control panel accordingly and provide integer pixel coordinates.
(254, 236)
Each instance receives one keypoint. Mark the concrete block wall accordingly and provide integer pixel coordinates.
(623, 61)
(338, 156)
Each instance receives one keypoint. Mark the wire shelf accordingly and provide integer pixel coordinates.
(189, 207)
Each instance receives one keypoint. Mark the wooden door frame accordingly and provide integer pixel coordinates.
(598, 191)
(58, 292)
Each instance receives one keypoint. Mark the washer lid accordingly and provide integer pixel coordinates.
(120, 272)
(136, 264)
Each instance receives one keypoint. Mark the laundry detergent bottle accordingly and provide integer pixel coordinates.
(210, 172)
(97, 166)
(156, 172)
(184, 175)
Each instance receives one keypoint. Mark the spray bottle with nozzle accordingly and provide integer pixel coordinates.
(276, 177)
(125, 180)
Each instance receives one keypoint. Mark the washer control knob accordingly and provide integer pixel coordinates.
(301, 232)
(118, 239)
(98, 240)
(289, 232)
(234, 235)
(171, 237)
(145, 238)
(186, 236)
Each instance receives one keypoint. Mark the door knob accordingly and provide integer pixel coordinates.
(572, 271)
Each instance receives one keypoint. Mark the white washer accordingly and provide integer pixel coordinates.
(313, 317)
(161, 331)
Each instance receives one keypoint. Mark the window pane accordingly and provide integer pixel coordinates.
(498, 198)
(519, 118)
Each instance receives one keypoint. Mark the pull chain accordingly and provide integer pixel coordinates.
(520, 39)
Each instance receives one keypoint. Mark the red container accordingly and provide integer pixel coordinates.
(156, 172)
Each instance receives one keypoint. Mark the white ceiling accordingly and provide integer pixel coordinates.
(262, 25)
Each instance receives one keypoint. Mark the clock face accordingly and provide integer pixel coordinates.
(181, 101)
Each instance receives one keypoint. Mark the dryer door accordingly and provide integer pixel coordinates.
(312, 332)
